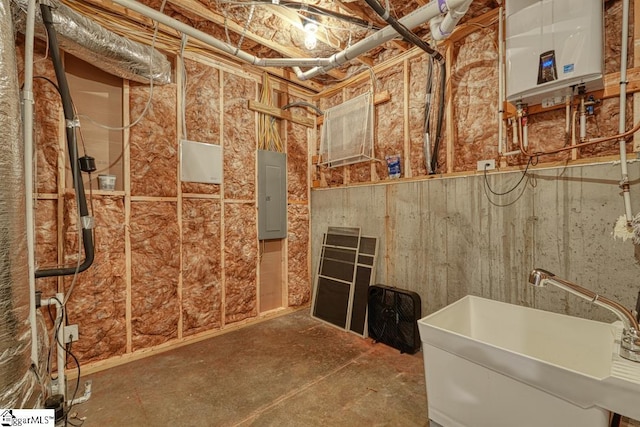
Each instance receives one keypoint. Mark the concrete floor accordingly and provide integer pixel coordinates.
(288, 371)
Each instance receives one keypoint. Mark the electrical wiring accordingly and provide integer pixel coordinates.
(504, 193)
(440, 117)
(75, 184)
(268, 136)
(318, 111)
(67, 349)
(148, 104)
(246, 26)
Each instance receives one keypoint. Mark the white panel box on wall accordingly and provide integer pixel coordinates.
(552, 45)
(200, 162)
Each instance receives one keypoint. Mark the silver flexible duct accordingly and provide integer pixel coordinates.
(85, 39)
(18, 383)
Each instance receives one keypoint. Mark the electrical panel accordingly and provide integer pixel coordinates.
(551, 46)
(272, 195)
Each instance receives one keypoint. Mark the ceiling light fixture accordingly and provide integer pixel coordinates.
(310, 28)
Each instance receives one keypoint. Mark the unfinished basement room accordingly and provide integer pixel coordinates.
(320, 213)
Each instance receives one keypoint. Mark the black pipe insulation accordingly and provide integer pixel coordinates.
(304, 104)
(67, 107)
(411, 37)
(438, 134)
(615, 420)
(404, 31)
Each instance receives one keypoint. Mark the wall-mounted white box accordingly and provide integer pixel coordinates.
(200, 162)
(552, 45)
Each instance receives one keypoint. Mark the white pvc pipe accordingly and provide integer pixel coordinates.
(411, 21)
(321, 65)
(60, 353)
(512, 153)
(446, 26)
(27, 120)
(217, 44)
(623, 111)
(583, 126)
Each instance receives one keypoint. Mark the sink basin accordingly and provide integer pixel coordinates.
(487, 362)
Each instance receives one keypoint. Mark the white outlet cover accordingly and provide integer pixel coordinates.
(490, 164)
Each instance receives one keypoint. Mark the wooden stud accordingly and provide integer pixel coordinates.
(47, 196)
(365, 75)
(636, 63)
(168, 39)
(223, 291)
(406, 77)
(179, 64)
(200, 196)
(280, 114)
(471, 26)
(256, 126)
(153, 199)
(126, 157)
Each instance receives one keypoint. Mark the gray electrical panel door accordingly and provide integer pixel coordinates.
(272, 195)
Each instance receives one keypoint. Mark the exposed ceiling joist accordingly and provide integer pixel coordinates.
(198, 9)
(359, 12)
(293, 18)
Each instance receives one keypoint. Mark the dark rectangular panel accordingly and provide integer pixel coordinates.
(341, 240)
(360, 298)
(368, 245)
(332, 301)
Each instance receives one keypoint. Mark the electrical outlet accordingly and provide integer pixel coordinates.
(53, 386)
(70, 333)
(486, 165)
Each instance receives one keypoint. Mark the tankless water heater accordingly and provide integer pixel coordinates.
(552, 46)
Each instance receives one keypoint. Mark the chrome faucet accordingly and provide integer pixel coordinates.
(630, 345)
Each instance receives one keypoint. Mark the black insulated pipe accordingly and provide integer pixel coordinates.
(404, 31)
(411, 37)
(67, 106)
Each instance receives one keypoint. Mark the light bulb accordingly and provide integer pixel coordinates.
(310, 41)
(310, 30)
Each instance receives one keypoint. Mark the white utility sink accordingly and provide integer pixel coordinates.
(489, 363)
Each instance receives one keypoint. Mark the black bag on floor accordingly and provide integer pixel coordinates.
(393, 317)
